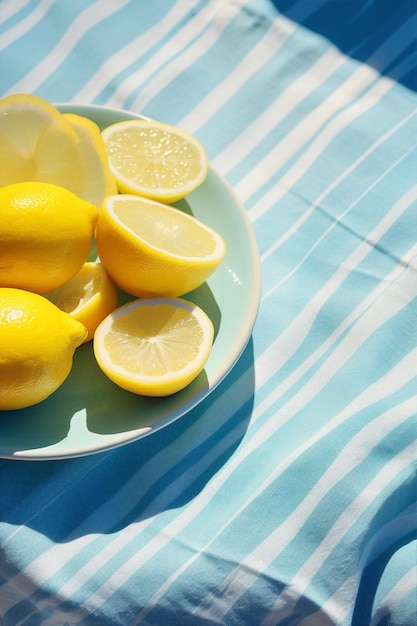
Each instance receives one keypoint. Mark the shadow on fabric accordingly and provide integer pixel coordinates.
(392, 532)
(105, 492)
(381, 33)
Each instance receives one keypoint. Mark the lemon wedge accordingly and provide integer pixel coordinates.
(98, 182)
(152, 249)
(154, 347)
(88, 297)
(155, 160)
(38, 143)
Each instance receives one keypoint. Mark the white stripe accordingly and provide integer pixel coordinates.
(294, 140)
(289, 179)
(273, 40)
(268, 550)
(394, 466)
(296, 92)
(22, 27)
(134, 50)
(289, 342)
(340, 605)
(331, 611)
(92, 15)
(352, 456)
(299, 136)
(50, 562)
(283, 349)
(388, 384)
(164, 54)
(336, 220)
(10, 8)
(189, 56)
(396, 529)
(394, 298)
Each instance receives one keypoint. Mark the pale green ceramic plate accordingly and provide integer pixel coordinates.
(90, 414)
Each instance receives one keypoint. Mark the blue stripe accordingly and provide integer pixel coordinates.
(279, 497)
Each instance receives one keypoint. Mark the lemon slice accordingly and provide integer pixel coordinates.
(155, 160)
(154, 347)
(98, 181)
(88, 297)
(152, 249)
(38, 143)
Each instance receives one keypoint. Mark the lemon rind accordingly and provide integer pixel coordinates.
(159, 383)
(216, 256)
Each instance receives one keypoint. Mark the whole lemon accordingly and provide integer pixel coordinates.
(45, 235)
(37, 344)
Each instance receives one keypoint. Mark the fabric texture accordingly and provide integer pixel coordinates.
(288, 496)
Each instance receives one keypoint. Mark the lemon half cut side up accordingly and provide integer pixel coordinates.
(155, 346)
(154, 159)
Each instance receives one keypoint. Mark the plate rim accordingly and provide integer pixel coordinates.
(238, 346)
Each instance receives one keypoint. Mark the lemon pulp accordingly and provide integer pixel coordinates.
(38, 143)
(154, 347)
(151, 249)
(88, 297)
(153, 159)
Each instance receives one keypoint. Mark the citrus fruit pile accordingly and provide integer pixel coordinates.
(38, 143)
(65, 187)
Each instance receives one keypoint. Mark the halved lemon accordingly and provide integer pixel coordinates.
(155, 160)
(38, 143)
(154, 347)
(98, 182)
(88, 297)
(151, 249)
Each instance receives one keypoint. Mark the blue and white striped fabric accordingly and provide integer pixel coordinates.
(288, 497)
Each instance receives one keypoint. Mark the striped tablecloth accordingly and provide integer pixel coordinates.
(288, 497)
